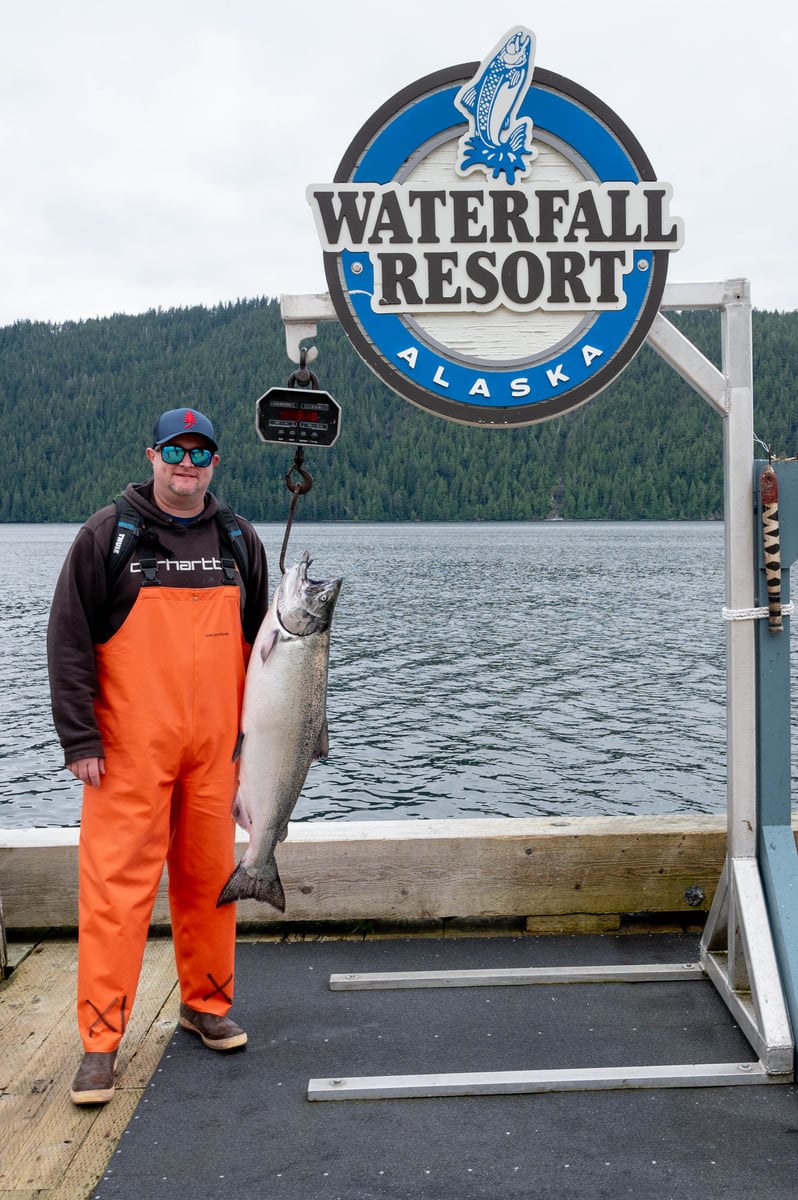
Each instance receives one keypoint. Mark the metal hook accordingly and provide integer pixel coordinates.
(297, 490)
(303, 378)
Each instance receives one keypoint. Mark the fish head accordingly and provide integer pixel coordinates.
(515, 51)
(305, 606)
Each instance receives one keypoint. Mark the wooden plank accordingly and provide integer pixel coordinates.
(32, 1004)
(489, 869)
(17, 952)
(88, 1164)
(3, 943)
(48, 1143)
(23, 1115)
(38, 1030)
(569, 923)
(34, 976)
(44, 1149)
(426, 870)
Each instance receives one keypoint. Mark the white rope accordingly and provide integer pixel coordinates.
(754, 614)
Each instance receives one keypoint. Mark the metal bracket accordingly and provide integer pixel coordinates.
(648, 973)
(521, 1083)
(737, 953)
(301, 315)
(495, 1083)
(688, 361)
(503, 1083)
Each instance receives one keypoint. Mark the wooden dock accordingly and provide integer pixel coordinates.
(349, 879)
(568, 874)
(50, 1149)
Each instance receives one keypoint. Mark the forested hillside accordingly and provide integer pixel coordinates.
(78, 402)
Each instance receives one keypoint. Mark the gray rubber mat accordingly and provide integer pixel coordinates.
(216, 1126)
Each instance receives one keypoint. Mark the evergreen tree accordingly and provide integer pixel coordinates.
(77, 403)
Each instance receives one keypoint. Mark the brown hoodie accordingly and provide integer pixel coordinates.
(85, 614)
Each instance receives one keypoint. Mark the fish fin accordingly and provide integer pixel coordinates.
(243, 886)
(323, 744)
(241, 813)
(283, 834)
(238, 745)
(469, 99)
(267, 647)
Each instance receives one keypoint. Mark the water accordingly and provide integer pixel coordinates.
(476, 670)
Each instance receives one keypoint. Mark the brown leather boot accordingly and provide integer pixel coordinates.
(217, 1033)
(94, 1081)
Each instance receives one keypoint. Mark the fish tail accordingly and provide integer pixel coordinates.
(243, 886)
(496, 157)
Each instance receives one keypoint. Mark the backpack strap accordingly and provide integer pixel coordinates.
(129, 524)
(233, 538)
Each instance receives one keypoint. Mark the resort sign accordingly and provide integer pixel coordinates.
(495, 241)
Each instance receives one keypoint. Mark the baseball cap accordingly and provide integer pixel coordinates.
(177, 421)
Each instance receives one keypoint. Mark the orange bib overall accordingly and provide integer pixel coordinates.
(170, 689)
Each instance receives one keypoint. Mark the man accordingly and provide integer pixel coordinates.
(146, 675)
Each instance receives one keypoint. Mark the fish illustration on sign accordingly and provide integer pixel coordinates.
(498, 140)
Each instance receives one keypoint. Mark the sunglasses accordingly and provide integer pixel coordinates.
(200, 456)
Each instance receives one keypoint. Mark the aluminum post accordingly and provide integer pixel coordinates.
(738, 444)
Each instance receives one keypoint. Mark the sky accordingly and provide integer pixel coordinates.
(156, 154)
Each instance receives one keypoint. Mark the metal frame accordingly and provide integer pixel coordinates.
(777, 855)
(503, 1083)
(737, 951)
(390, 980)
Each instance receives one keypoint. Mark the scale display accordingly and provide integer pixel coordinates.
(297, 416)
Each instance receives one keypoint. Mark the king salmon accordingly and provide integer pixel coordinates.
(283, 725)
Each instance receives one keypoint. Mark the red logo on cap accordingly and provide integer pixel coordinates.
(189, 419)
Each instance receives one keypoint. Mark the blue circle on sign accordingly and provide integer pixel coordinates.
(575, 370)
